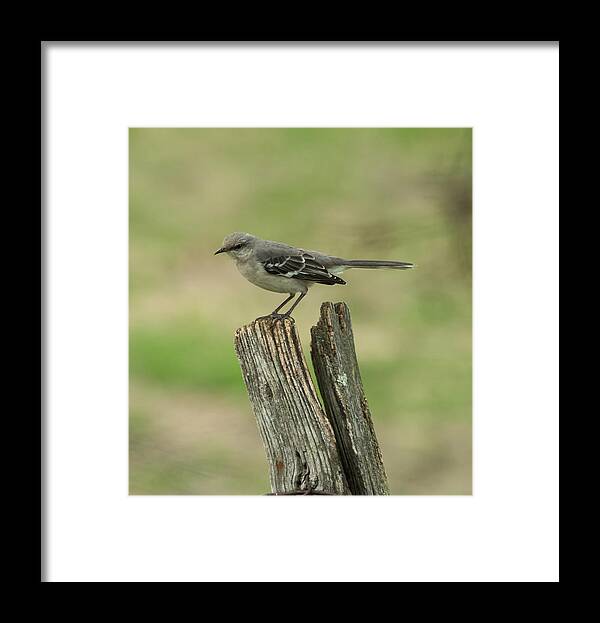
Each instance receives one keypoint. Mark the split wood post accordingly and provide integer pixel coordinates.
(311, 450)
(336, 368)
(298, 438)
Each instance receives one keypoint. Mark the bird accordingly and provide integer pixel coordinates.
(283, 268)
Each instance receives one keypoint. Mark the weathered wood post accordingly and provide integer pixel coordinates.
(298, 438)
(336, 368)
(310, 450)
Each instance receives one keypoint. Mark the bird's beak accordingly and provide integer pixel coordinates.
(221, 250)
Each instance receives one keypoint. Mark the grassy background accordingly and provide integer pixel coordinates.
(370, 193)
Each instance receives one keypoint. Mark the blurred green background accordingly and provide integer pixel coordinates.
(367, 193)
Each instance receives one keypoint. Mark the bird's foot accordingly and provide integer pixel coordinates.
(275, 316)
(282, 317)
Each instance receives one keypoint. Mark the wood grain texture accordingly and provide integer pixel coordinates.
(338, 376)
(298, 438)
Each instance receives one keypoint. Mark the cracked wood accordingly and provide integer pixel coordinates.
(338, 376)
(298, 438)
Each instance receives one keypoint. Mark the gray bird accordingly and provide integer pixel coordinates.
(281, 268)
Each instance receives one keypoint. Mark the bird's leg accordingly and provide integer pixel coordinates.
(275, 314)
(289, 298)
(291, 309)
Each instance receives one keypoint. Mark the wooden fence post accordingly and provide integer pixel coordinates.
(298, 438)
(336, 368)
(310, 450)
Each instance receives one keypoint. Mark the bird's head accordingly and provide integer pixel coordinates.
(237, 245)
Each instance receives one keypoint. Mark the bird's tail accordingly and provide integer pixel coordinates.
(378, 264)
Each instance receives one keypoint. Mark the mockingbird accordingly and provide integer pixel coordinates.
(281, 268)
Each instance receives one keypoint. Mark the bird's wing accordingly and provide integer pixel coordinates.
(301, 266)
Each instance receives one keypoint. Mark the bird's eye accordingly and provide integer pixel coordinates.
(237, 246)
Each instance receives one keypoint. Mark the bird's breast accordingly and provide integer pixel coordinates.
(255, 273)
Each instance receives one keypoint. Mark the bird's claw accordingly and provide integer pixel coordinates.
(274, 316)
(281, 317)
